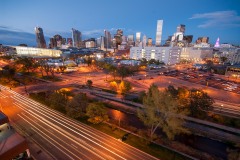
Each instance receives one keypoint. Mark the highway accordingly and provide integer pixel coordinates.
(61, 136)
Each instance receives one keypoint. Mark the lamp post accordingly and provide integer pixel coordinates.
(221, 107)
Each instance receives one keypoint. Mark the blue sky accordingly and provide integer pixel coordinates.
(212, 18)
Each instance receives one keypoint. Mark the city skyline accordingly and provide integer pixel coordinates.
(208, 19)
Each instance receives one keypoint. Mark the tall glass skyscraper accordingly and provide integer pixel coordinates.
(159, 32)
(107, 39)
(41, 43)
(76, 37)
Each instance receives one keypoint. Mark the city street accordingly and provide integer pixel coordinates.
(62, 137)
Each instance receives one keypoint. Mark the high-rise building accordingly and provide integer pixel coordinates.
(76, 37)
(138, 39)
(159, 32)
(56, 41)
(107, 39)
(130, 40)
(118, 38)
(144, 41)
(64, 41)
(202, 40)
(181, 28)
(149, 42)
(41, 43)
(102, 43)
(69, 42)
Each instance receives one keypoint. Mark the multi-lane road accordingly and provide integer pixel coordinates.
(62, 137)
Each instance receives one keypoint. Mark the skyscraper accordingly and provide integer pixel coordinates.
(76, 37)
(144, 41)
(41, 43)
(118, 38)
(159, 32)
(181, 28)
(107, 39)
(149, 42)
(138, 38)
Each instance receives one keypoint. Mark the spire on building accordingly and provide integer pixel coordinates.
(217, 43)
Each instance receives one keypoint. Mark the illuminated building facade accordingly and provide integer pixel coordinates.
(130, 40)
(159, 32)
(36, 52)
(168, 55)
(144, 41)
(138, 39)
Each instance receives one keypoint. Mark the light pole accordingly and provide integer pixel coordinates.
(221, 107)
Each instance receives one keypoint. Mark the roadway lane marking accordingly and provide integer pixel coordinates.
(39, 131)
(74, 146)
(44, 107)
(85, 129)
(56, 128)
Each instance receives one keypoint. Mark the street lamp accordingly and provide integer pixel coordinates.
(221, 107)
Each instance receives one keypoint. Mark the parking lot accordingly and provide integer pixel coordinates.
(207, 79)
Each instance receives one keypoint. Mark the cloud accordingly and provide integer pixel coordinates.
(221, 19)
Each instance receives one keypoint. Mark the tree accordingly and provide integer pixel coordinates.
(209, 64)
(152, 61)
(26, 63)
(58, 101)
(97, 113)
(223, 59)
(8, 72)
(200, 102)
(141, 95)
(89, 83)
(123, 72)
(160, 110)
(173, 91)
(77, 106)
(62, 68)
(114, 85)
(124, 87)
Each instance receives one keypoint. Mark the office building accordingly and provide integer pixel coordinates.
(144, 41)
(102, 45)
(69, 42)
(107, 39)
(130, 40)
(118, 38)
(90, 44)
(168, 55)
(159, 32)
(202, 40)
(41, 43)
(56, 41)
(76, 37)
(149, 42)
(181, 28)
(138, 39)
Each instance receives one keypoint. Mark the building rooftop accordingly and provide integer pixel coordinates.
(11, 143)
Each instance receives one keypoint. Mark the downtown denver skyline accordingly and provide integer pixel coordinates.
(205, 18)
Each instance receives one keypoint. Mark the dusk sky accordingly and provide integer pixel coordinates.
(212, 18)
